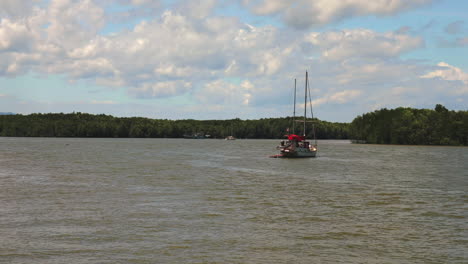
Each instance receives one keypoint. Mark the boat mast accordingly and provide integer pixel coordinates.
(312, 115)
(294, 112)
(305, 105)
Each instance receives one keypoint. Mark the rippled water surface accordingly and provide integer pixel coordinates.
(216, 201)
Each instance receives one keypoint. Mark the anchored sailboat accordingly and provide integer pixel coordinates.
(298, 146)
(231, 137)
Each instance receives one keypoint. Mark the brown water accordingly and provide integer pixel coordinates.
(215, 201)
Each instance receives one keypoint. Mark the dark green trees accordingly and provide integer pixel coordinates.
(87, 125)
(412, 126)
(386, 126)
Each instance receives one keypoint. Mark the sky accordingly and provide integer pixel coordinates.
(207, 59)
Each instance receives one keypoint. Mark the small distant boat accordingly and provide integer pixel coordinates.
(196, 136)
(231, 137)
(297, 146)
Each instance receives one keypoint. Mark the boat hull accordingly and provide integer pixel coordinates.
(298, 153)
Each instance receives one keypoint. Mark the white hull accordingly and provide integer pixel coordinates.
(298, 152)
(305, 153)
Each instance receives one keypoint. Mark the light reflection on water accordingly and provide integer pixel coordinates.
(216, 201)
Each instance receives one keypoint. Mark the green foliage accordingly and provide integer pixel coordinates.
(412, 126)
(394, 126)
(88, 125)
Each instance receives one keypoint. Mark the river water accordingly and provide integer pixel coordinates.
(75, 200)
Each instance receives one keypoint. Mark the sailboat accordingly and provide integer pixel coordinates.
(231, 137)
(298, 146)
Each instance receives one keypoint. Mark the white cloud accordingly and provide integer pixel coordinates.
(198, 9)
(88, 50)
(174, 47)
(450, 73)
(220, 92)
(71, 23)
(15, 36)
(162, 89)
(370, 71)
(17, 8)
(401, 91)
(172, 70)
(305, 13)
(219, 62)
(143, 2)
(340, 97)
(338, 45)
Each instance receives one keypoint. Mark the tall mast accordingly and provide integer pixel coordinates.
(312, 114)
(294, 113)
(305, 105)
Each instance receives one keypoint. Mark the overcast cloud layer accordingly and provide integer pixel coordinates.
(212, 65)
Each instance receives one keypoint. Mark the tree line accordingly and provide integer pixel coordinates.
(89, 125)
(411, 126)
(385, 126)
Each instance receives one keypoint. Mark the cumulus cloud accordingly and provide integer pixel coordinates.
(450, 73)
(17, 8)
(73, 22)
(339, 45)
(128, 11)
(305, 13)
(222, 92)
(198, 9)
(400, 90)
(220, 62)
(15, 36)
(162, 89)
(43, 38)
(340, 97)
(159, 52)
(158, 57)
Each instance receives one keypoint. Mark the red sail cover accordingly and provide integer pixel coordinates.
(295, 137)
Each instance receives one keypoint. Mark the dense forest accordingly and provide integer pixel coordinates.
(88, 125)
(412, 126)
(385, 126)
